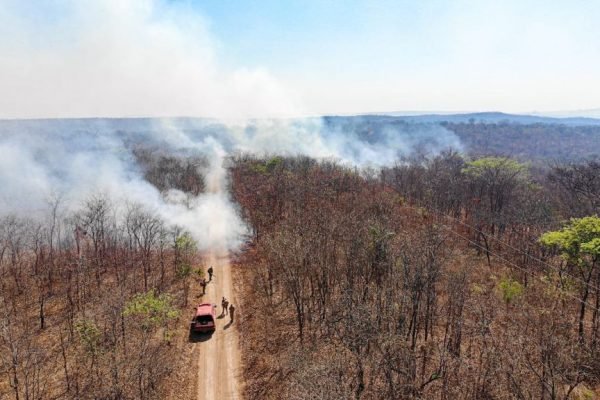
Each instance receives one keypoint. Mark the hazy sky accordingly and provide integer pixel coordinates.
(227, 58)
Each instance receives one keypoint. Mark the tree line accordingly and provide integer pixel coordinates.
(441, 277)
(91, 297)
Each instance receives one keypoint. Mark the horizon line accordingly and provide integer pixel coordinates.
(406, 113)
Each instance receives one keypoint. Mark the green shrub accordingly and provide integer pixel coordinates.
(183, 270)
(268, 166)
(89, 334)
(510, 289)
(153, 311)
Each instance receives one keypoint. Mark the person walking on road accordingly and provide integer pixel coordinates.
(210, 273)
(224, 304)
(203, 284)
(231, 310)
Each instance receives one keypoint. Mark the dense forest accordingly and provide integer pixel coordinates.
(435, 279)
(93, 302)
(449, 276)
(538, 142)
(526, 139)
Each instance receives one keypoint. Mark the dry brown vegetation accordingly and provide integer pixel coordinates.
(424, 280)
(93, 303)
(427, 281)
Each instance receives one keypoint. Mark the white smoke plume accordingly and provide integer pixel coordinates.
(73, 58)
(151, 58)
(76, 158)
(118, 58)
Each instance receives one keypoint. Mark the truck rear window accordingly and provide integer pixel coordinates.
(204, 319)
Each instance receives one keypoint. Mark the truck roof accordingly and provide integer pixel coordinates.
(205, 309)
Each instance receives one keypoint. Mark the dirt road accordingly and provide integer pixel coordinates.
(218, 355)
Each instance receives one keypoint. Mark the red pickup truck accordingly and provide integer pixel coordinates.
(204, 318)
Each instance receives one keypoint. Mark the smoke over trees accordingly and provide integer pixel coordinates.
(70, 289)
(403, 273)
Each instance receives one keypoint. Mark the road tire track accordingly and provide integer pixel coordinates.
(218, 358)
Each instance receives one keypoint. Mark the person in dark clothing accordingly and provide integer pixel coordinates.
(224, 304)
(203, 284)
(210, 273)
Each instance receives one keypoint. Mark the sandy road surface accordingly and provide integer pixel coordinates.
(218, 356)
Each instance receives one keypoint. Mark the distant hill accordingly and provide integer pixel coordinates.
(527, 137)
(530, 142)
(144, 124)
(587, 113)
(487, 117)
